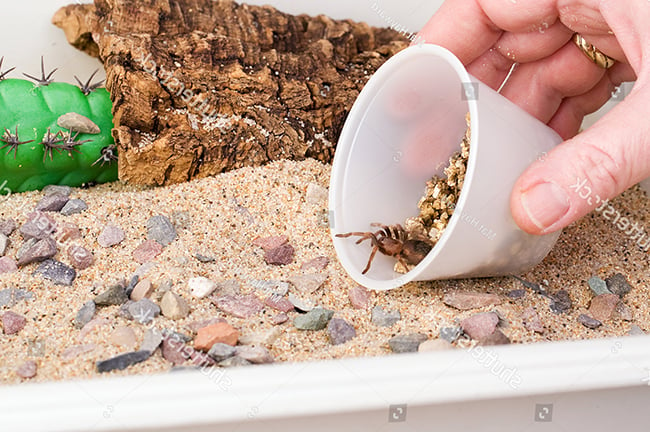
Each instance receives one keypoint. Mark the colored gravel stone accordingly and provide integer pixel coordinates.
(316, 319)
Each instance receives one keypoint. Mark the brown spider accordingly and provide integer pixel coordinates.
(393, 241)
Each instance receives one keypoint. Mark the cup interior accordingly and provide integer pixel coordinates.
(407, 122)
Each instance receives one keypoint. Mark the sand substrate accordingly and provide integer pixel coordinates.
(221, 216)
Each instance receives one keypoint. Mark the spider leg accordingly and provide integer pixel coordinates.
(401, 261)
(364, 236)
(372, 257)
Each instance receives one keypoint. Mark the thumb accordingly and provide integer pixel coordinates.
(582, 173)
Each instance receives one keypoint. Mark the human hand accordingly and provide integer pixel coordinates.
(558, 84)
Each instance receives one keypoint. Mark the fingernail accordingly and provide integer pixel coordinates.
(545, 204)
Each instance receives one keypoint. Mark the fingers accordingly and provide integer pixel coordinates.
(469, 28)
(630, 24)
(540, 87)
(491, 68)
(582, 173)
(534, 45)
(463, 28)
(569, 116)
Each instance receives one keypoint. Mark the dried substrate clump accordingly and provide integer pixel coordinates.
(440, 197)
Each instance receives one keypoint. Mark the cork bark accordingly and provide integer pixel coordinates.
(200, 87)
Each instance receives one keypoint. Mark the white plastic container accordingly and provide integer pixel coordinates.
(597, 385)
(403, 128)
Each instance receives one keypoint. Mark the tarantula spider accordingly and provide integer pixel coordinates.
(393, 241)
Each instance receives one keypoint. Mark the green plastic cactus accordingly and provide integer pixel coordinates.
(54, 133)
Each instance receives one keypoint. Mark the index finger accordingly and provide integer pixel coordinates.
(469, 28)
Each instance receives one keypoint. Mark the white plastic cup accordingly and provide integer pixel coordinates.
(408, 120)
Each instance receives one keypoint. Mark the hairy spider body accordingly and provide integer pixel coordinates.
(394, 241)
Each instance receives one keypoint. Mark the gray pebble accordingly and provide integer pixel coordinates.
(110, 236)
(406, 343)
(114, 295)
(281, 255)
(27, 245)
(516, 294)
(467, 300)
(144, 310)
(57, 272)
(57, 189)
(496, 338)
(221, 351)
(27, 370)
(451, 334)
(308, 283)
(176, 336)
(8, 265)
(383, 318)
(531, 285)
(7, 226)
(228, 287)
(240, 306)
(315, 319)
(271, 286)
(561, 302)
(204, 258)
(12, 322)
(80, 257)
(37, 251)
(151, 340)
(160, 228)
(78, 123)
(480, 325)
(74, 206)
(4, 242)
(52, 203)
(85, 314)
(340, 331)
(131, 285)
(618, 284)
(143, 269)
(38, 225)
(254, 354)
(635, 330)
(302, 304)
(598, 286)
(589, 322)
(234, 361)
(122, 361)
(9, 297)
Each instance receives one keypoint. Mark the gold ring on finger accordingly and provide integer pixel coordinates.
(593, 53)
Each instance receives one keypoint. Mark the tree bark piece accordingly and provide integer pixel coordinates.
(201, 87)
